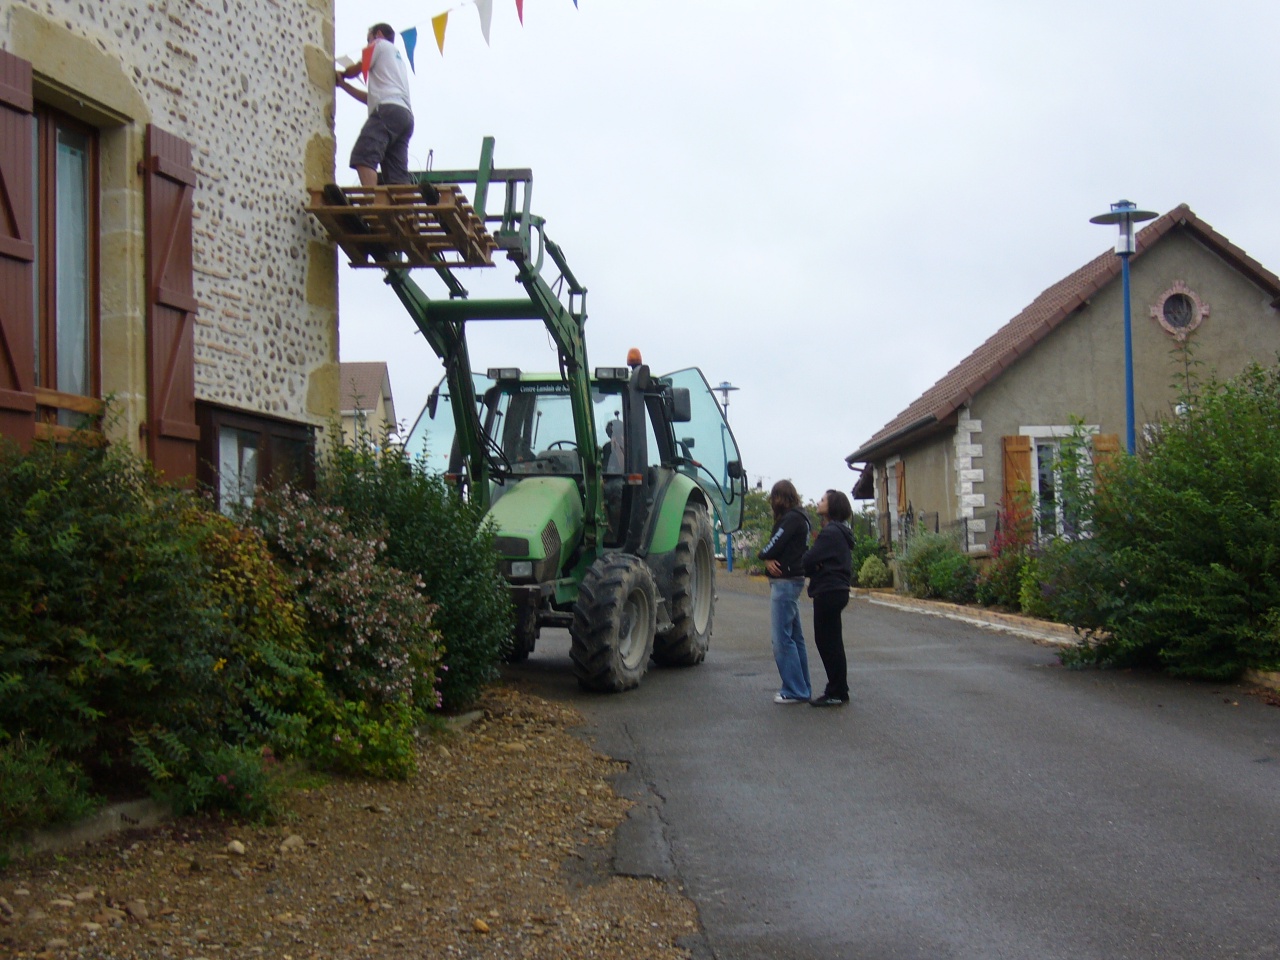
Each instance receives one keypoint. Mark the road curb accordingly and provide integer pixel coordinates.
(1044, 631)
(112, 819)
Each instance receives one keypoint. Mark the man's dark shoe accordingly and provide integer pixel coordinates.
(429, 193)
(826, 700)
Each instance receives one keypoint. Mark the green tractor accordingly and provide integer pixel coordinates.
(607, 488)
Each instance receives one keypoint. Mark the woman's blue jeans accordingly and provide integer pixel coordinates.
(788, 638)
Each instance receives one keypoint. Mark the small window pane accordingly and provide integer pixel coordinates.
(289, 460)
(237, 468)
(72, 264)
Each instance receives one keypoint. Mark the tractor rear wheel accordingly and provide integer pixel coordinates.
(613, 624)
(693, 594)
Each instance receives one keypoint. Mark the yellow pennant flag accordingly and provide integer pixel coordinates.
(438, 25)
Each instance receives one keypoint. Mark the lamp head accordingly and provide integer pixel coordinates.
(1124, 214)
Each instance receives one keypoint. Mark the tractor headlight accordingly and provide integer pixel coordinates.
(521, 568)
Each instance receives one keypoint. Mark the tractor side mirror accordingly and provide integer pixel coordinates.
(686, 442)
(681, 405)
(734, 469)
(432, 402)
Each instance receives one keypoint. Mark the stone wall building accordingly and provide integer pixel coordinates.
(155, 157)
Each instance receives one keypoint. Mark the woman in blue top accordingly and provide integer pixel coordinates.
(781, 556)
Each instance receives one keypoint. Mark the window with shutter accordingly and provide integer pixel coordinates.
(171, 430)
(1105, 448)
(900, 468)
(67, 376)
(17, 251)
(1017, 468)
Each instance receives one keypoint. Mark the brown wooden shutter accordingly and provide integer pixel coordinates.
(900, 468)
(17, 252)
(1017, 468)
(1105, 448)
(172, 433)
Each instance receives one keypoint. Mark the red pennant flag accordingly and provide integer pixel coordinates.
(366, 58)
(520, 11)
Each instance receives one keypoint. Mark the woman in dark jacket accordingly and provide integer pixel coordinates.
(786, 579)
(829, 566)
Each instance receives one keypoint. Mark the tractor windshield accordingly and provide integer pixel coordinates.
(710, 449)
(532, 423)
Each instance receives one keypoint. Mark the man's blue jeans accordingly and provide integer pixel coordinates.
(788, 638)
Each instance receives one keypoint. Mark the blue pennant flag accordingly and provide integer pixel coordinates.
(410, 38)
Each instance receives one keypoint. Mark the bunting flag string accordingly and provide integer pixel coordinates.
(439, 23)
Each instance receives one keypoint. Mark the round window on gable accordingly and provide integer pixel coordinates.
(1179, 310)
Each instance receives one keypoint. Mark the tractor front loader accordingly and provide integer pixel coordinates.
(601, 486)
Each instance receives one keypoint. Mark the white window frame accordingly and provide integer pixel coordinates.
(1055, 433)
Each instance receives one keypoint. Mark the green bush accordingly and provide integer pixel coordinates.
(149, 642)
(934, 566)
(1031, 599)
(237, 779)
(1191, 535)
(999, 583)
(952, 577)
(431, 533)
(352, 738)
(37, 788)
(873, 573)
(106, 622)
(265, 662)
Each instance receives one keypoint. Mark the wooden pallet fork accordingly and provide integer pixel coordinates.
(398, 226)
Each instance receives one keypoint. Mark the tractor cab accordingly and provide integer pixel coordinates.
(528, 423)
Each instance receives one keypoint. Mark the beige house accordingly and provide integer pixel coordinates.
(996, 420)
(154, 165)
(368, 408)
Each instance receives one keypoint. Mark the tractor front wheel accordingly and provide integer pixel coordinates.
(613, 624)
(526, 633)
(693, 594)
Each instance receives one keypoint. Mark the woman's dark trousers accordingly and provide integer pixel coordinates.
(828, 636)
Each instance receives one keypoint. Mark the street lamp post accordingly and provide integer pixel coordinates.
(1124, 214)
(724, 389)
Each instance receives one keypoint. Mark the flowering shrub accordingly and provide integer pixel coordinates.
(240, 780)
(429, 532)
(1000, 583)
(371, 625)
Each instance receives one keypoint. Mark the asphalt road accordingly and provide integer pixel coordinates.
(976, 799)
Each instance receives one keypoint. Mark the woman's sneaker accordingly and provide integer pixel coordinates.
(827, 700)
(782, 698)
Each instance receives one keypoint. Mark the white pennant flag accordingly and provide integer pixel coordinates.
(485, 9)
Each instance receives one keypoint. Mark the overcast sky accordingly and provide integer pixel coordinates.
(827, 203)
